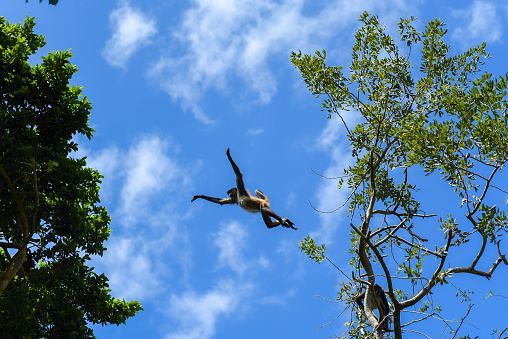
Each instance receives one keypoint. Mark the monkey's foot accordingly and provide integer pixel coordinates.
(288, 223)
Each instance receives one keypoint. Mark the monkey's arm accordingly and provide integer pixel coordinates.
(222, 201)
(359, 299)
(239, 179)
(266, 213)
(383, 302)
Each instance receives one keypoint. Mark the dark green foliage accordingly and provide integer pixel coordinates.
(50, 217)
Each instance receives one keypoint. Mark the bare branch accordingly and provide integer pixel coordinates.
(346, 90)
(432, 282)
(472, 270)
(500, 334)
(428, 315)
(331, 301)
(408, 229)
(502, 190)
(331, 262)
(331, 321)
(402, 215)
(325, 177)
(391, 234)
(431, 315)
(418, 247)
(480, 199)
(501, 256)
(418, 332)
(462, 320)
(480, 253)
(353, 191)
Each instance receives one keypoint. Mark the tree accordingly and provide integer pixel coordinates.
(50, 218)
(447, 119)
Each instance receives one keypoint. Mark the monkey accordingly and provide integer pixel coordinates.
(381, 303)
(239, 195)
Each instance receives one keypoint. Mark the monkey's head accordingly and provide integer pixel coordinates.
(233, 194)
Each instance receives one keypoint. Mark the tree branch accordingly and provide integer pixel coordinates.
(418, 247)
(432, 282)
(471, 269)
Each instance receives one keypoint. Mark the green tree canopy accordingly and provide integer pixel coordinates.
(50, 218)
(447, 118)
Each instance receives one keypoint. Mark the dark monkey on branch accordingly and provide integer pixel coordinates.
(381, 303)
(239, 195)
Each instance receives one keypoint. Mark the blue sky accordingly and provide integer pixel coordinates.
(173, 85)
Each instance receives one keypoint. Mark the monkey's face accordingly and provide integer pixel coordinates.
(233, 194)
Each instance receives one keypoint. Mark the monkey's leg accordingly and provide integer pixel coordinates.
(266, 212)
(269, 222)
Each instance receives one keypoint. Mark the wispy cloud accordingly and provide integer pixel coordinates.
(255, 131)
(217, 42)
(331, 133)
(329, 197)
(199, 313)
(226, 40)
(131, 30)
(231, 240)
(148, 171)
(128, 266)
(480, 21)
(146, 224)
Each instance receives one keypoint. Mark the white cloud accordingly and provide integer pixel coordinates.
(222, 40)
(329, 197)
(263, 262)
(131, 30)
(255, 131)
(480, 22)
(231, 241)
(199, 313)
(333, 130)
(146, 225)
(128, 269)
(291, 199)
(143, 172)
(148, 171)
(136, 260)
(107, 161)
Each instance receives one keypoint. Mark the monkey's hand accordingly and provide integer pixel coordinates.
(288, 223)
